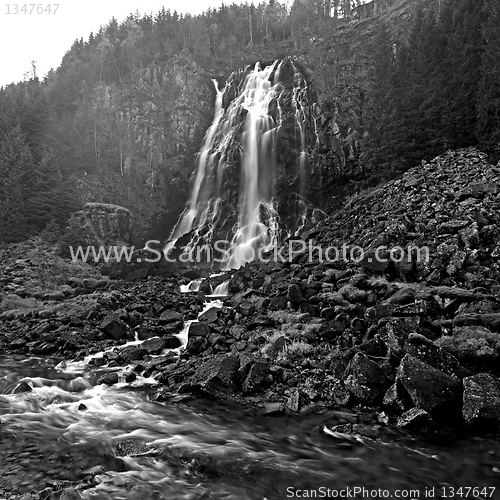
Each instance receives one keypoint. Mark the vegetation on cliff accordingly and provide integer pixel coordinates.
(120, 121)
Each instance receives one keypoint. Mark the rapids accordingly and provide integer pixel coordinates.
(190, 448)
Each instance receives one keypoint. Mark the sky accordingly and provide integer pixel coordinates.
(46, 37)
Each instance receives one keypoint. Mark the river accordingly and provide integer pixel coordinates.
(190, 448)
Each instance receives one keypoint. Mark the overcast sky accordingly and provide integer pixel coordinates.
(45, 38)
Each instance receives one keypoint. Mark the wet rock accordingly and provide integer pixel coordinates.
(132, 353)
(22, 387)
(273, 408)
(481, 401)
(198, 329)
(218, 375)
(198, 334)
(108, 378)
(131, 447)
(154, 346)
(114, 326)
(365, 379)
(427, 386)
(172, 342)
(69, 494)
(256, 376)
(169, 316)
(417, 420)
(210, 316)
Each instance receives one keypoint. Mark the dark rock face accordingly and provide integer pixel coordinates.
(416, 419)
(428, 387)
(256, 376)
(481, 402)
(22, 387)
(114, 326)
(365, 379)
(217, 376)
(103, 224)
(108, 378)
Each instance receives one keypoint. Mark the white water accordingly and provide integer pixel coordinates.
(75, 367)
(221, 290)
(194, 450)
(256, 138)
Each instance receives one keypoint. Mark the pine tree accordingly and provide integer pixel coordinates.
(16, 186)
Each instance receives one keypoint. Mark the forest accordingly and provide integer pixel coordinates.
(414, 79)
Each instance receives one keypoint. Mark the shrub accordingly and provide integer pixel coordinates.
(13, 302)
(295, 349)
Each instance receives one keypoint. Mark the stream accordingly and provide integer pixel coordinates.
(190, 448)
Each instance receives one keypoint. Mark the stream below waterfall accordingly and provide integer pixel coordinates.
(189, 448)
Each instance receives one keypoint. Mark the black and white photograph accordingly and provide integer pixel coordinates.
(250, 250)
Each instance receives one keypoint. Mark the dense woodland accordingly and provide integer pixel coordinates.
(407, 86)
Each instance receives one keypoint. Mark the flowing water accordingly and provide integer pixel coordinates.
(246, 132)
(194, 449)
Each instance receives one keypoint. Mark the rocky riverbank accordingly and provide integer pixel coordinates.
(418, 340)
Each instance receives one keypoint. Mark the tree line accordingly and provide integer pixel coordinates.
(402, 94)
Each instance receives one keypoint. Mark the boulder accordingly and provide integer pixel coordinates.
(154, 346)
(210, 316)
(114, 326)
(108, 378)
(132, 353)
(256, 376)
(424, 349)
(365, 379)
(217, 376)
(169, 316)
(481, 401)
(427, 386)
(22, 387)
(198, 329)
(416, 419)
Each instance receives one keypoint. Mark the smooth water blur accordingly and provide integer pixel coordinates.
(203, 449)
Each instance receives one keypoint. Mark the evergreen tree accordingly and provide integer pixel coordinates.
(16, 186)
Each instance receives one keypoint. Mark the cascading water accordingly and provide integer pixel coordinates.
(256, 136)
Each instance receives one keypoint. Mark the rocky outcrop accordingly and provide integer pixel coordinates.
(102, 224)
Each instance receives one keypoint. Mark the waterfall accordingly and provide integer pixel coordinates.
(240, 153)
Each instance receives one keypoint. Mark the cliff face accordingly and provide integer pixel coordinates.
(149, 131)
